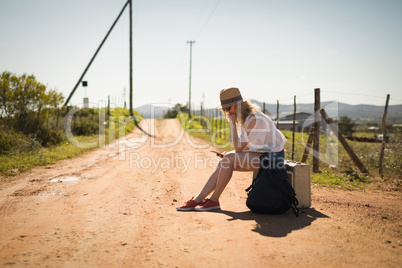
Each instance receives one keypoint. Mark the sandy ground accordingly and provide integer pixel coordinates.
(115, 207)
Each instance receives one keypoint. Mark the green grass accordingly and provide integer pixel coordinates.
(15, 163)
(21, 159)
(335, 179)
(211, 129)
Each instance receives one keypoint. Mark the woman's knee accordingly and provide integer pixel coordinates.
(228, 160)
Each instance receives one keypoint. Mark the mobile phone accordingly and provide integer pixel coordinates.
(219, 154)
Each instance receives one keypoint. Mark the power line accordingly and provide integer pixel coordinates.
(356, 94)
(337, 92)
(189, 87)
(199, 17)
(298, 96)
(210, 16)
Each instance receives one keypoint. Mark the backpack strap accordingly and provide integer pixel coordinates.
(295, 210)
(255, 178)
(253, 182)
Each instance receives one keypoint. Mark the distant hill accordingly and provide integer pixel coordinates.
(152, 110)
(359, 113)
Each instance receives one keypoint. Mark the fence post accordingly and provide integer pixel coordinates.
(216, 122)
(308, 144)
(58, 115)
(384, 137)
(294, 127)
(108, 106)
(316, 139)
(220, 128)
(344, 143)
(277, 114)
(201, 117)
(201, 110)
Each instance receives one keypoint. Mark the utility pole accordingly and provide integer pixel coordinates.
(131, 59)
(189, 87)
(316, 124)
(131, 69)
(96, 53)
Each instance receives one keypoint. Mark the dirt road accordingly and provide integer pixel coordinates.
(115, 207)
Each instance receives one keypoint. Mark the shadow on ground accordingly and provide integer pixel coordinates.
(276, 225)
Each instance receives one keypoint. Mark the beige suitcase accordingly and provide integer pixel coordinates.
(299, 178)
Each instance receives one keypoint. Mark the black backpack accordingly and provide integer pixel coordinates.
(271, 192)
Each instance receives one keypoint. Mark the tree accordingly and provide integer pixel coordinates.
(6, 98)
(22, 99)
(346, 126)
(172, 113)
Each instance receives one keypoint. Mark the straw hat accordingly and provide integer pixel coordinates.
(230, 96)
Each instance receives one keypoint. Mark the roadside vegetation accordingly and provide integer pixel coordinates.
(33, 132)
(337, 171)
(32, 125)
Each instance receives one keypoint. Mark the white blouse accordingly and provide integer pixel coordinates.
(264, 136)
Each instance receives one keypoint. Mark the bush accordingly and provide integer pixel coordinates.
(85, 127)
(15, 142)
(49, 137)
(10, 140)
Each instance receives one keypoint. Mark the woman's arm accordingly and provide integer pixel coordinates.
(239, 146)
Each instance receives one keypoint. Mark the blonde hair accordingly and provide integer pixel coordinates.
(244, 109)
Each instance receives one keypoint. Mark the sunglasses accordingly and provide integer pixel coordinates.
(227, 109)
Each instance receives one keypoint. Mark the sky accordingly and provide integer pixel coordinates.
(271, 50)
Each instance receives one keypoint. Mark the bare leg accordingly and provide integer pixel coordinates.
(209, 186)
(241, 161)
(217, 182)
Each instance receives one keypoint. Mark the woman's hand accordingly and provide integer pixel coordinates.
(232, 118)
(221, 155)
